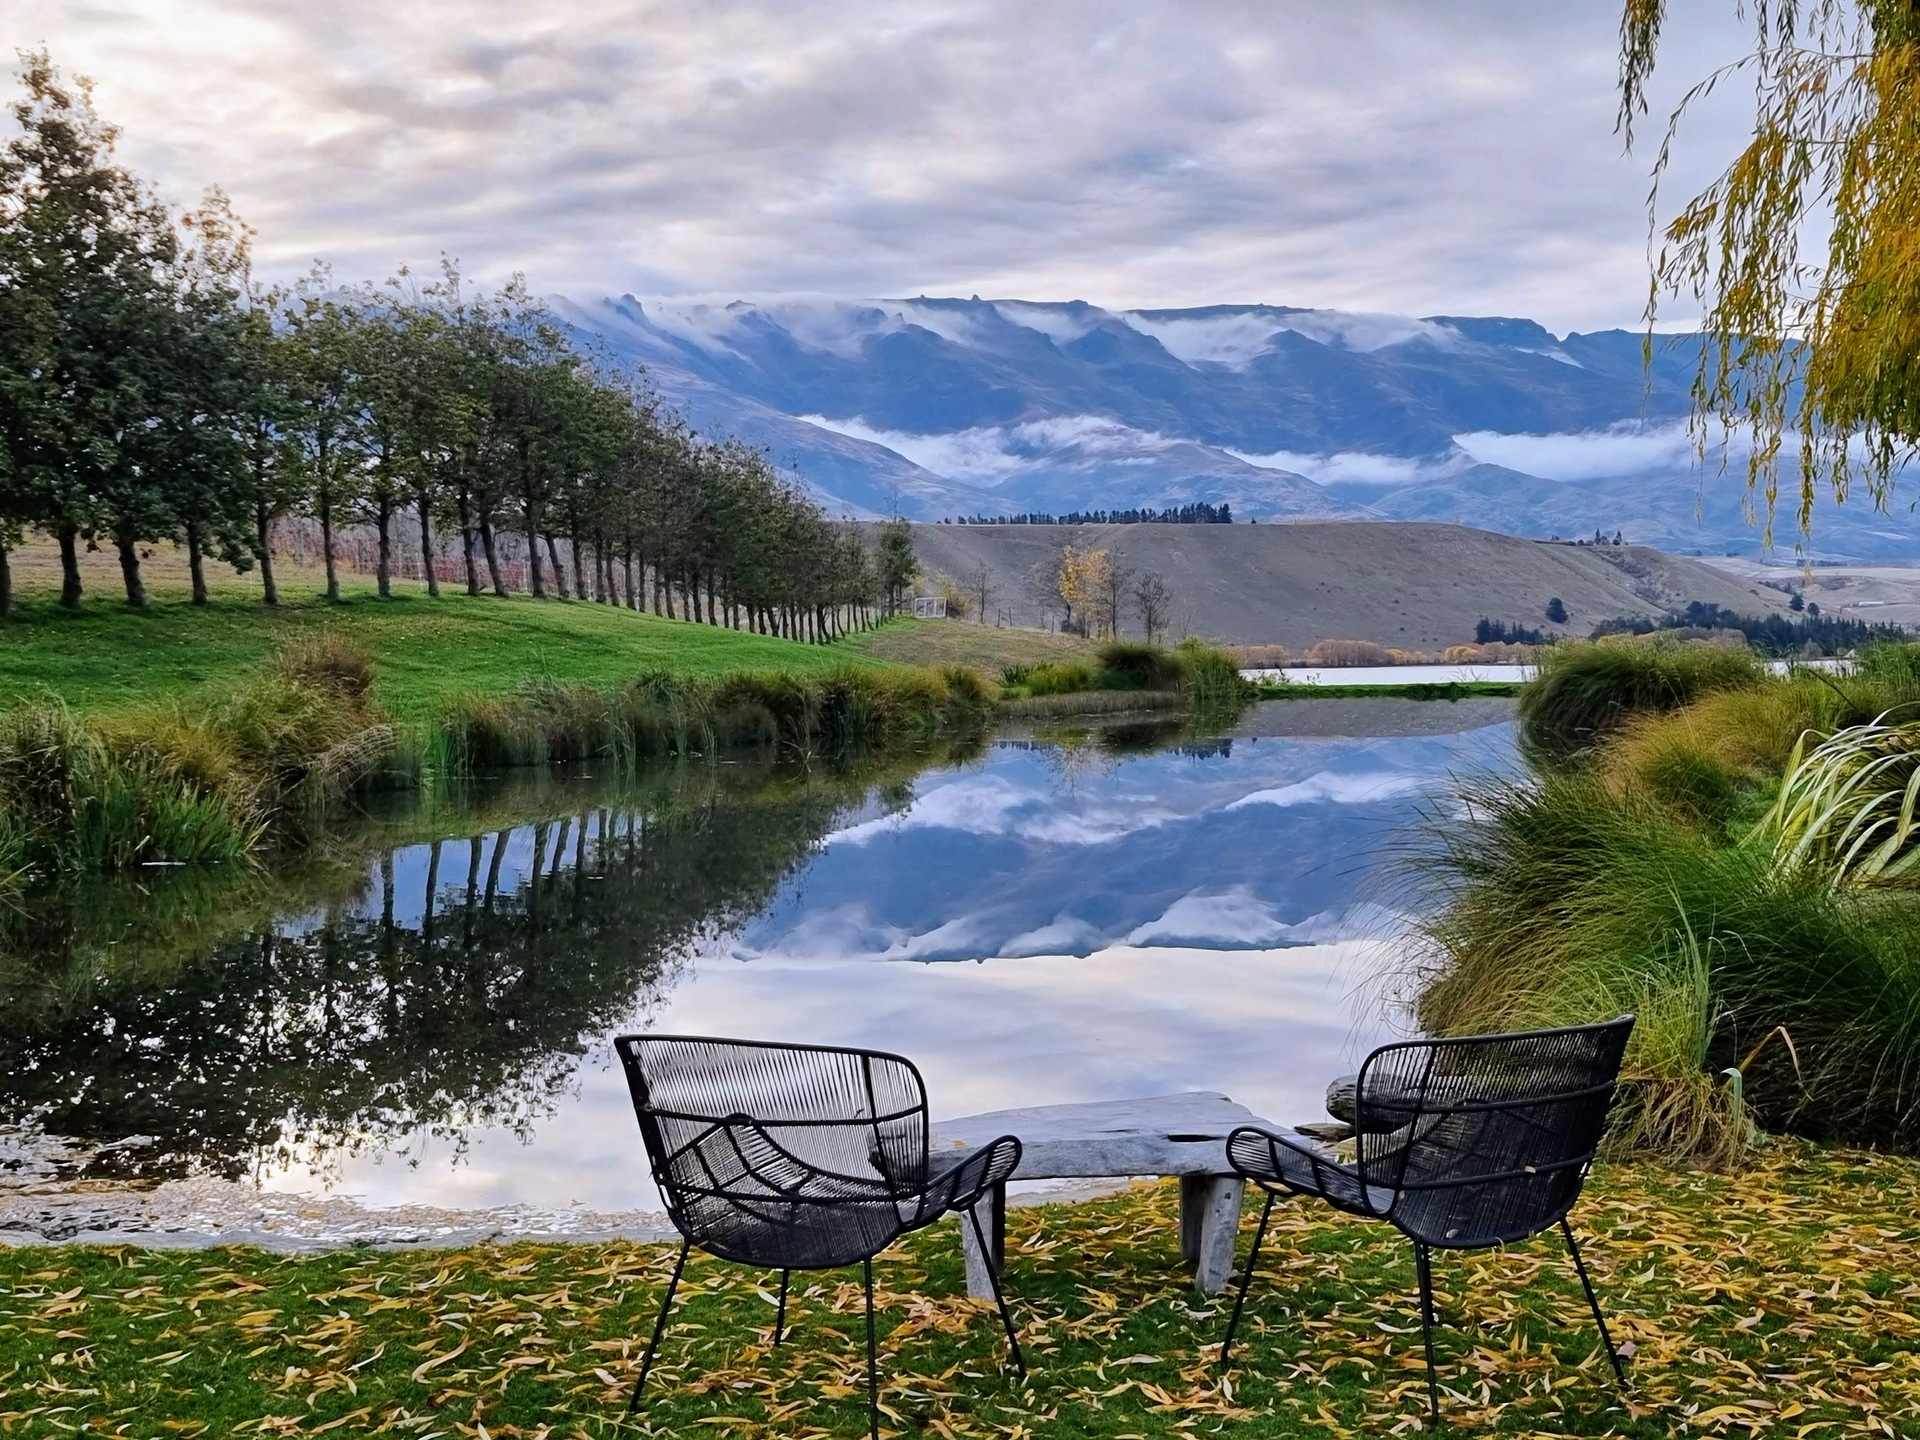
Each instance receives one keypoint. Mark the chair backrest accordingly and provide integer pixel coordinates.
(853, 1113)
(1486, 1138)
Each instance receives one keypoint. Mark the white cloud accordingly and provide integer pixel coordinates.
(1454, 159)
(992, 805)
(986, 455)
(1329, 788)
(1629, 449)
(1232, 920)
(1358, 467)
(1063, 935)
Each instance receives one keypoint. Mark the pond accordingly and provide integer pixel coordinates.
(409, 1026)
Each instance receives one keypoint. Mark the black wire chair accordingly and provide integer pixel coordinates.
(1461, 1144)
(798, 1157)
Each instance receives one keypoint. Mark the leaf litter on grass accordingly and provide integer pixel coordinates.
(1784, 1300)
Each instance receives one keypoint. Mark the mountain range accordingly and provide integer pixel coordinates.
(938, 408)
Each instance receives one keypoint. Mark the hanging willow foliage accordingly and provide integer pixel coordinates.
(1812, 356)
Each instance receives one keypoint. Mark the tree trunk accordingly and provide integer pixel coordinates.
(534, 583)
(559, 571)
(6, 581)
(426, 546)
(634, 594)
(326, 541)
(383, 527)
(263, 551)
(493, 555)
(196, 566)
(130, 571)
(69, 567)
(466, 542)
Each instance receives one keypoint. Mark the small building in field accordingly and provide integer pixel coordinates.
(929, 607)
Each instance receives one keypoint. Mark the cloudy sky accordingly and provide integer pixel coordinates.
(1383, 155)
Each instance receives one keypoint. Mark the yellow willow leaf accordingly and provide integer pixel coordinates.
(420, 1370)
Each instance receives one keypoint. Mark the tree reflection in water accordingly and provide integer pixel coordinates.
(434, 971)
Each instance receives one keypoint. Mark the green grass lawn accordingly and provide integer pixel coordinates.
(428, 652)
(1784, 1300)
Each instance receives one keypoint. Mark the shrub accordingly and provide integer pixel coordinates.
(1349, 652)
(1137, 665)
(1058, 677)
(1261, 657)
(1585, 693)
(1211, 677)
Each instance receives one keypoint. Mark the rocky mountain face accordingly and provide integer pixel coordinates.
(946, 407)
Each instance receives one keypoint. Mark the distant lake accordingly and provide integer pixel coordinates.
(419, 1013)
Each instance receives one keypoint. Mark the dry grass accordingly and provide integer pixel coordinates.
(957, 642)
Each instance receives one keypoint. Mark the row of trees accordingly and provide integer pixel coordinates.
(151, 389)
(1197, 513)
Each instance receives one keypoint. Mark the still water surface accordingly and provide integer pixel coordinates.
(420, 1012)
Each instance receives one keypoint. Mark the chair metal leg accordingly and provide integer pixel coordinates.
(873, 1362)
(999, 1297)
(659, 1328)
(1593, 1300)
(1423, 1262)
(1246, 1279)
(780, 1315)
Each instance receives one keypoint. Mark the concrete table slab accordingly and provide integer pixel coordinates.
(1179, 1135)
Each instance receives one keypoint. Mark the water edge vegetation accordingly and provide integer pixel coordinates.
(1650, 861)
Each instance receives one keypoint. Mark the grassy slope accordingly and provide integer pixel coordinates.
(428, 652)
(1783, 1297)
(958, 642)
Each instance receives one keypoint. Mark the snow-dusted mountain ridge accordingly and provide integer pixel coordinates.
(946, 406)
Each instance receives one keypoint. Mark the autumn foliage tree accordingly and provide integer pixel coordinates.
(1804, 252)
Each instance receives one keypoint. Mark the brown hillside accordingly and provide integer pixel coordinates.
(1410, 584)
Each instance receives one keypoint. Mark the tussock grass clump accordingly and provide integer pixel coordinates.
(1055, 677)
(659, 715)
(69, 802)
(1584, 694)
(1850, 806)
(1890, 664)
(1140, 666)
(1568, 900)
(1210, 676)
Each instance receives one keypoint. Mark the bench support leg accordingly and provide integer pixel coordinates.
(1219, 1228)
(1193, 1209)
(984, 1265)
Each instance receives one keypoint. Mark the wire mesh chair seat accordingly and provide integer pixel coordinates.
(797, 1157)
(1461, 1144)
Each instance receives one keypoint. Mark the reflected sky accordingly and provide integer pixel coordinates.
(1045, 924)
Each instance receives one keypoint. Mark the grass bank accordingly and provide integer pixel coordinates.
(217, 774)
(1692, 843)
(1205, 677)
(429, 655)
(1779, 1298)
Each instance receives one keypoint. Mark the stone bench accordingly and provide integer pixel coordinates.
(1169, 1135)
